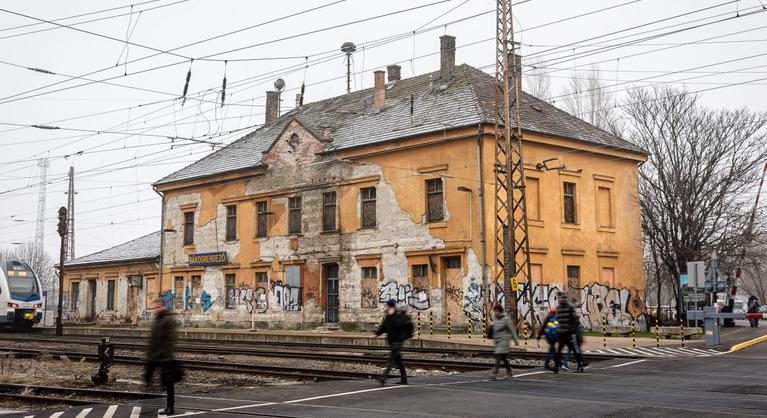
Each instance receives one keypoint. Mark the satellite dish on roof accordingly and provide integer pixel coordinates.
(279, 84)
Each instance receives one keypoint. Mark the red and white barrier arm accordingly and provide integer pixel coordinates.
(756, 315)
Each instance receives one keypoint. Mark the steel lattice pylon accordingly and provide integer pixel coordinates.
(512, 247)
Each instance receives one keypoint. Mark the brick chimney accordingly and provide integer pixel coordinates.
(393, 72)
(446, 57)
(379, 89)
(272, 107)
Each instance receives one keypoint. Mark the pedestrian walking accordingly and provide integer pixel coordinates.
(566, 359)
(753, 307)
(398, 327)
(567, 331)
(502, 331)
(548, 329)
(160, 354)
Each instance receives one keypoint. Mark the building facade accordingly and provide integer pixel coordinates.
(331, 209)
(113, 286)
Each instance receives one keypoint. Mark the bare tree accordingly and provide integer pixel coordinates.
(537, 82)
(587, 97)
(694, 188)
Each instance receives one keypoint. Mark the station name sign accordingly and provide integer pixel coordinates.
(207, 259)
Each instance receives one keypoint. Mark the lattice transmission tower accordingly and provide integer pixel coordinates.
(42, 191)
(512, 246)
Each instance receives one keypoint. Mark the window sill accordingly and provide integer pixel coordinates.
(231, 241)
(610, 229)
(331, 232)
(260, 239)
(571, 226)
(368, 228)
(189, 246)
(535, 222)
(436, 225)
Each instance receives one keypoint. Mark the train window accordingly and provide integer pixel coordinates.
(23, 285)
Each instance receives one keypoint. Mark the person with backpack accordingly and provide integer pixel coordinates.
(398, 327)
(502, 331)
(548, 329)
(567, 331)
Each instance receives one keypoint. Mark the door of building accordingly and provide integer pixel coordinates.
(451, 266)
(331, 309)
(91, 300)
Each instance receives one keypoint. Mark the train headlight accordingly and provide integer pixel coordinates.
(38, 305)
(13, 305)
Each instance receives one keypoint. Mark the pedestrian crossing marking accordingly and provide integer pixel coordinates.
(57, 414)
(84, 413)
(659, 351)
(110, 411)
(136, 412)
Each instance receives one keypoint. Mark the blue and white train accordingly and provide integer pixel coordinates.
(20, 295)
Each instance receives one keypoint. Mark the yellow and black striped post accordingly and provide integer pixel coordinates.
(418, 315)
(524, 330)
(484, 326)
(468, 327)
(431, 325)
(604, 333)
(657, 333)
(681, 331)
(449, 330)
(634, 334)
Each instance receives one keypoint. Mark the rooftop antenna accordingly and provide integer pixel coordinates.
(348, 48)
(43, 163)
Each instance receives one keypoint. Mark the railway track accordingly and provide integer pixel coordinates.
(64, 395)
(364, 357)
(297, 373)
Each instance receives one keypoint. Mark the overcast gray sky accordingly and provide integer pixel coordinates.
(115, 201)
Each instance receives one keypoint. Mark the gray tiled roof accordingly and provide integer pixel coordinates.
(142, 248)
(467, 100)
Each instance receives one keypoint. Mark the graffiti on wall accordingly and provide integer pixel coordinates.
(405, 294)
(369, 293)
(255, 300)
(287, 297)
(594, 303)
(167, 299)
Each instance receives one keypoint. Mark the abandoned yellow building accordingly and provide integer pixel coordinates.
(335, 207)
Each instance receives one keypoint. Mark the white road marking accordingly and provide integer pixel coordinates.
(84, 413)
(611, 350)
(626, 364)
(57, 414)
(110, 411)
(646, 353)
(627, 351)
(334, 395)
(29, 416)
(528, 374)
(135, 412)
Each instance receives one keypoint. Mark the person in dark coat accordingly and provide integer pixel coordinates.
(567, 331)
(160, 353)
(398, 327)
(548, 329)
(753, 307)
(503, 332)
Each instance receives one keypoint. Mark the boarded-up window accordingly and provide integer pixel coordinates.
(569, 201)
(573, 282)
(74, 295)
(608, 276)
(329, 211)
(262, 279)
(369, 287)
(178, 293)
(231, 293)
(294, 215)
(434, 201)
(604, 207)
(231, 223)
(368, 207)
(110, 295)
(188, 228)
(261, 217)
(536, 273)
(533, 196)
(420, 276)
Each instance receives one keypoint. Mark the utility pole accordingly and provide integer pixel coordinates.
(512, 245)
(62, 230)
(43, 163)
(70, 242)
(348, 48)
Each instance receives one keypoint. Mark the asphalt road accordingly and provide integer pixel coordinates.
(731, 384)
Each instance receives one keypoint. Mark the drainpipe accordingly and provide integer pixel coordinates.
(162, 241)
(481, 193)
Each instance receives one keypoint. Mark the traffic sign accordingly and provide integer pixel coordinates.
(694, 297)
(514, 284)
